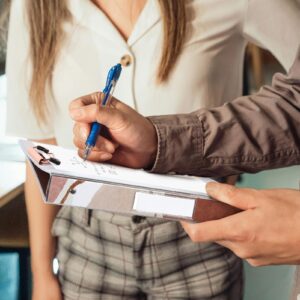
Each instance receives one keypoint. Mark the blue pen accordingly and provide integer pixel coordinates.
(112, 78)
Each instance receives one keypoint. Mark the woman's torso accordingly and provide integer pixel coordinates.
(203, 75)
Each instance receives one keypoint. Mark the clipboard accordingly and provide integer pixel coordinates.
(67, 180)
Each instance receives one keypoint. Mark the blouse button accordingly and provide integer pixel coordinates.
(126, 60)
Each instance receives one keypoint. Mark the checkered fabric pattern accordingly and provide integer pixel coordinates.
(118, 257)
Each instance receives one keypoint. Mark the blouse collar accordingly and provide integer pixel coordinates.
(86, 14)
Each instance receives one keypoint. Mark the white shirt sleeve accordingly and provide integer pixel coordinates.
(275, 26)
(21, 120)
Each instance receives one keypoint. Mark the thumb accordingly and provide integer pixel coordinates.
(241, 198)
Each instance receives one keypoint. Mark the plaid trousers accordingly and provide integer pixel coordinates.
(112, 256)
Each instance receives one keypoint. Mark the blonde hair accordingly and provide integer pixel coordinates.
(46, 34)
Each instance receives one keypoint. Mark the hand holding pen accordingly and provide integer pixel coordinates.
(132, 140)
(112, 79)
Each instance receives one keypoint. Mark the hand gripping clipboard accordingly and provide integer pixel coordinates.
(121, 190)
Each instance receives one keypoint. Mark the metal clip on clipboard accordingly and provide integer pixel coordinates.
(42, 155)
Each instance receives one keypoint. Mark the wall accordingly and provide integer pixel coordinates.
(274, 282)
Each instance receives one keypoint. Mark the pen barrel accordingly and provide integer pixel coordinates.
(95, 131)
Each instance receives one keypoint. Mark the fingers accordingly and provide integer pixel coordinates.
(81, 132)
(240, 198)
(251, 254)
(93, 98)
(88, 109)
(86, 114)
(112, 118)
(209, 231)
(237, 227)
(224, 233)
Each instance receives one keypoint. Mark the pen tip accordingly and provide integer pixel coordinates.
(86, 153)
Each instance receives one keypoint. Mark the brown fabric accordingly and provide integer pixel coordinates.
(249, 134)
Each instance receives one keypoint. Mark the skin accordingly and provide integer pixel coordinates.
(122, 14)
(130, 149)
(42, 243)
(266, 232)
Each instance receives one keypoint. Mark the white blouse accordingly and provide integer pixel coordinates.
(207, 73)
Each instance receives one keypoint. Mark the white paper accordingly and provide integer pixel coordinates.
(163, 205)
(73, 165)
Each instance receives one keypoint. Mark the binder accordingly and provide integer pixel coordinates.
(65, 179)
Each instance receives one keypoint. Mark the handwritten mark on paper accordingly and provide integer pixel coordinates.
(73, 165)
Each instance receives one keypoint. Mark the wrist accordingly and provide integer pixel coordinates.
(41, 275)
(40, 270)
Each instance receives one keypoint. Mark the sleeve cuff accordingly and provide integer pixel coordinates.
(180, 143)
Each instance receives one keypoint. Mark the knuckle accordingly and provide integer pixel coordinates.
(192, 233)
(254, 262)
(97, 97)
(238, 235)
(71, 104)
(76, 142)
(75, 128)
(242, 253)
(243, 235)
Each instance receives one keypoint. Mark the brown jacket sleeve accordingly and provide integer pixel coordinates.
(249, 134)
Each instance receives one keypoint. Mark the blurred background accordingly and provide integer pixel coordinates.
(263, 283)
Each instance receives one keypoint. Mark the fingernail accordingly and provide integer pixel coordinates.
(105, 156)
(76, 113)
(211, 187)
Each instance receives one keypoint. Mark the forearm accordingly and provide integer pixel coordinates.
(40, 217)
(249, 134)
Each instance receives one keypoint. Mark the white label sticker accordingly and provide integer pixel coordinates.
(165, 205)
